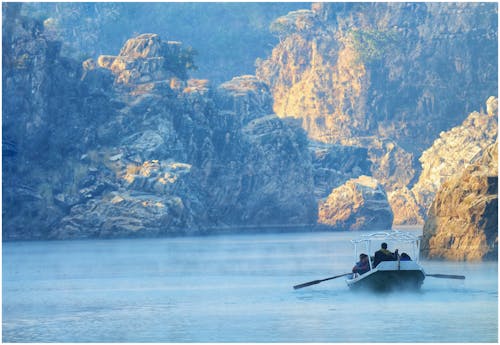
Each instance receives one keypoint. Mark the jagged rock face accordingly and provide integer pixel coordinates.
(336, 164)
(347, 72)
(454, 151)
(463, 218)
(245, 95)
(361, 71)
(156, 154)
(405, 207)
(315, 75)
(155, 201)
(270, 137)
(192, 166)
(48, 114)
(147, 60)
(359, 204)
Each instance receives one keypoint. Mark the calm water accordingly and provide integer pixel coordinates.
(234, 288)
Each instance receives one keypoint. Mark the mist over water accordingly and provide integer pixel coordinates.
(230, 288)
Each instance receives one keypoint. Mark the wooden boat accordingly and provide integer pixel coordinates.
(389, 275)
(401, 272)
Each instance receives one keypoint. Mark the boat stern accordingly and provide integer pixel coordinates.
(390, 276)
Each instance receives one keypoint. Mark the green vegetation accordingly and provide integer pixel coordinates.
(296, 21)
(373, 45)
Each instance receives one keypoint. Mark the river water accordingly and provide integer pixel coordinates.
(230, 288)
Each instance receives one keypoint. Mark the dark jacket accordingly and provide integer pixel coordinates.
(383, 255)
(361, 267)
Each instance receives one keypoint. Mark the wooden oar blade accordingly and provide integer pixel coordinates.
(300, 286)
(447, 276)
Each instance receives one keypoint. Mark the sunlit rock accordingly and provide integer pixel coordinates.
(359, 204)
(360, 74)
(454, 151)
(405, 207)
(247, 96)
(463, 218)
(147, 59)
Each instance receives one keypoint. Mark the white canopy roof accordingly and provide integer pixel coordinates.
(392, 235)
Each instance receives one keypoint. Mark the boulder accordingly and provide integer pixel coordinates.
(359, 204)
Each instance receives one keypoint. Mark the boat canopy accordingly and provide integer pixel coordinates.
(389, 236)
(393, 235)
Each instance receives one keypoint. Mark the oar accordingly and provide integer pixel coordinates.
(300, 286)
(449, 276)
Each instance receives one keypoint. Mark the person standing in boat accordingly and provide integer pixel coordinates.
(383, 254)
(362, 266)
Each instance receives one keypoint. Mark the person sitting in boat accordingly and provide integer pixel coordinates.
(383, 254)
(404, 257)
(362, 266)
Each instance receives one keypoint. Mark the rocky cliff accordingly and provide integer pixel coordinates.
(129, 146)
(463, 218)
(455, 150)
(45, 122)
(354, 70)
(388, 77)
(449, 155)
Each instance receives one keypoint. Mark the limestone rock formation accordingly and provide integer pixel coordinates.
(405, 207)
(199, 160)
(127, 146)
(359, 69)
(359, 204)
(48, 114)
(245, 95)
(385, 76)
(279, 170)
(454, 151)
(333, 165)
(148, 59)
(463, 218)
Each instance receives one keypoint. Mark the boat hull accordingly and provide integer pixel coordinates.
(390, 276)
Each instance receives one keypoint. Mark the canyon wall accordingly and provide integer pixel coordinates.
(463, 218)
(388, 77)
(128, 145)
(357, 119)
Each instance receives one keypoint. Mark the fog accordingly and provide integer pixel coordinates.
(230, 288)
